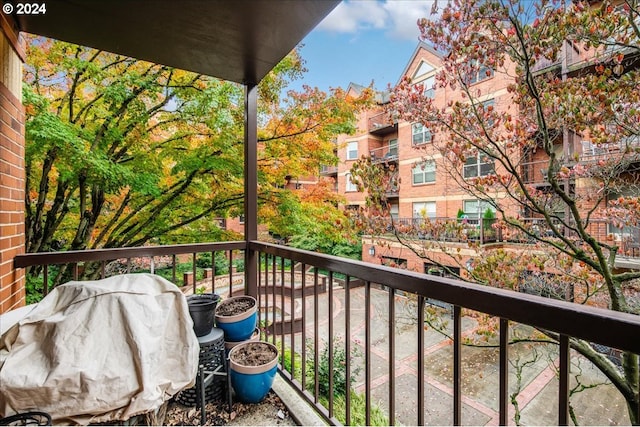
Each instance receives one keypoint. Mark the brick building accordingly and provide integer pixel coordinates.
(418, 185)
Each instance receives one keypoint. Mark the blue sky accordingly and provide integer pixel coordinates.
(361, 41)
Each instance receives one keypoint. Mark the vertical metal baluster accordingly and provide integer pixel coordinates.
(266, 296)
(213, 272)
(152, 267)
(420, 360)
(315, 335)
(193, 262)
(75, 271)
(292, 307)
(392, 357)
(260, 288)
(45, 280)
(282, 317)
(457, 365)
(231, 272)
(565, 368)
(273, 300)
(330, 343)
(128, 265)
(504, 372)
(367, 352)
(304, 327)
(347, 350)
(103, 269)
(173, 269)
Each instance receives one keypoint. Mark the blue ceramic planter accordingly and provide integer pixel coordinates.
(237, 327)
(252, 383)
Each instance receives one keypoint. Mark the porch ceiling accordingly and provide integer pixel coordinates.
(235, 40)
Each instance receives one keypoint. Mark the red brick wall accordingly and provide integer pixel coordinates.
(12, 182)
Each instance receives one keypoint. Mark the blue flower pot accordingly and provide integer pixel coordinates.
(240, 326)
(252, 383)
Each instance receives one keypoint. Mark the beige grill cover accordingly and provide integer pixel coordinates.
(99, 351)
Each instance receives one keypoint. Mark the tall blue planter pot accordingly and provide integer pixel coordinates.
(237, 327)
(252, 383)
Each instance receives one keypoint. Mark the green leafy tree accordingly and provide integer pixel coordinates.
(121, 152)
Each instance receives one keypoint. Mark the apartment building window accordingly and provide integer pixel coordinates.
(476, 208)
(420, 134)
(628, 232)
(352, 150)
(394, 262)
(424, 210)
(479, 165)
(482, 73)
(429, 87)
(393, 147)
(350, 186)
(424, 172)
(485, 106)
(394, 210)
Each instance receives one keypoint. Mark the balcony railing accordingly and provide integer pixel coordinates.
(486, 231)
(359, 290)
(455, 230)
(387, 153)
(382, 123)
(328, 170)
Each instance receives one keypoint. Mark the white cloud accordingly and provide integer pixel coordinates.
(350, 17)
(397, 18)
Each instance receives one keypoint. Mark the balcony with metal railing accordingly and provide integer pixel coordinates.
(401, 368)
(385, 154)
(382, 123)
(486, 231)
(326, 170)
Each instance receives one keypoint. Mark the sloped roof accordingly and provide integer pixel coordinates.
(235, 40)
(421, 45)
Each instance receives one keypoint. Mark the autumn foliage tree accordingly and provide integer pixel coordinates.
(574, 71)
(121, 152)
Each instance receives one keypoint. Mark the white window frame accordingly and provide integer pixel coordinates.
(418, 129)
(481, 74)
(394, 210)
(478, 167)
(424, 171)
(350, 186)
(352, 154)
(481, 207)
(393, 147)
(424, 209)
(429, 87)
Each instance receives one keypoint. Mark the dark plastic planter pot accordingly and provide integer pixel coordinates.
(202, 309)
(237, 327)
(252, 383)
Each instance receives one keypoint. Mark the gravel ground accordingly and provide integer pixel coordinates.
(270, 412)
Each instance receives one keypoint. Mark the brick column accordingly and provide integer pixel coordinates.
(12, 172)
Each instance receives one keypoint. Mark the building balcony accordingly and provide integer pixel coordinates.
(382, 124)
(404, 373)
(485, 231)
(627, 147)
(387, 154)
(328, 170)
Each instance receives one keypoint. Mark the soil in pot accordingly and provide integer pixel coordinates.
(254, 354)
(235, 306)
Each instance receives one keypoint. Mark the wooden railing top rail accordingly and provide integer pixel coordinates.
(47, 258)
(614, 329)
